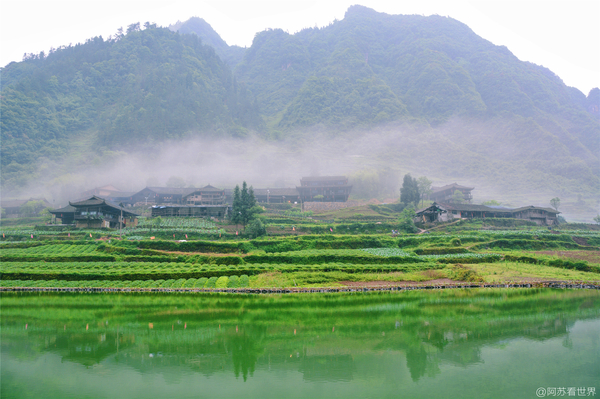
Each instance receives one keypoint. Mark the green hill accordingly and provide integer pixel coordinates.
(128, 92)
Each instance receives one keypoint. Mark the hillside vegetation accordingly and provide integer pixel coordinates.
(435, 97)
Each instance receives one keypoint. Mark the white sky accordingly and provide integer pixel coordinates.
(561, 35)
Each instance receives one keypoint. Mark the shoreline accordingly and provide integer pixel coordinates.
(307, 290)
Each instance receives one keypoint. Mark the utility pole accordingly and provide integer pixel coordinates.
(121, 222)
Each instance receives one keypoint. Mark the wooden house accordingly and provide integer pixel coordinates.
(324, 189)
(159, 195)
(445, 194)
(64, 215)
(207, 195)
(97, 212)
(276, 195)
(447, 211)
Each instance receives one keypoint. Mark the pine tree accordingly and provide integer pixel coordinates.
(409, 193)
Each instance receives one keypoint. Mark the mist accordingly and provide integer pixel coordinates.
(462, 151)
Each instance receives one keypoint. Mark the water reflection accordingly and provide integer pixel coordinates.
(323, 339)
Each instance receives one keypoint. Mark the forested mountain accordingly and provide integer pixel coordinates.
(232, 55)
(439, 99)
(138, 88)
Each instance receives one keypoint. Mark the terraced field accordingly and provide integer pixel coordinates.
(307, 260)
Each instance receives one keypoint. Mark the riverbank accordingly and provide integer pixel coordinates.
(354, 287)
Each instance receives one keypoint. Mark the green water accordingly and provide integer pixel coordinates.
(448, 344)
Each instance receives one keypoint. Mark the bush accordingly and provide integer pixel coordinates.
(256, 229)
(233, 282)
(211, 283)
(463, 273)
(222, 282)
(201, 282)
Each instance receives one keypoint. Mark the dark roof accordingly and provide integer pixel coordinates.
(449, 186)
(64, 209)
(495, 209)
(525, 208)
(94, 200)
(323, 178)
(204, 189)
(431, 208)
(473, 208)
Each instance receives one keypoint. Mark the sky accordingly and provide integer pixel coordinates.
(563, 36)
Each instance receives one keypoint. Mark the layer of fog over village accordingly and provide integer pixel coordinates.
(370, 98)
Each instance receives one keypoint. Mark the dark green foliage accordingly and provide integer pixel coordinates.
(211, 283)
(149, 85)
(256, 229)
(409, 193)
(441, 251)
(244, 208)
(406, 221)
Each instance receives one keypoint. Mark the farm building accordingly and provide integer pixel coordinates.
(447, 211)
(64, 215)
(276, 195)
(445, 194)
(97, 212)
(207, 195)
(324, 189)
(159, 195)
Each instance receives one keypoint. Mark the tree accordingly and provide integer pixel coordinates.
(31, 208)
(597, 219)
(424, 185)
(555, 202)
(409, 193)
(491, 203)
(458, 197)
(407, 220)
(244, 208)
(256, 228)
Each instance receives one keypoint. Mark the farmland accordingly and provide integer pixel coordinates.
(156, 255)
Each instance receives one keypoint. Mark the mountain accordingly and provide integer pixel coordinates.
(370, 94)
(133, 90)
(232, 55)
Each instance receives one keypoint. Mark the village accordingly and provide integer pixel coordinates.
(108, 207)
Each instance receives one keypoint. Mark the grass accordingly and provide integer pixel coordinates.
(514, 271)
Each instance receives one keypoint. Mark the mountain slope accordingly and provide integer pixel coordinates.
(142, 88)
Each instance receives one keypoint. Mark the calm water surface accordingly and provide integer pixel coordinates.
(448, 344)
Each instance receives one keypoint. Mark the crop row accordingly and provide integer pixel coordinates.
(203, 282)
(198, 271)
(57, 249)
(178, 222)
(386, 252)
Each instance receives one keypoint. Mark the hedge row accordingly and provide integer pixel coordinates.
(209, 272)
(441, 251)
(57, 258)
(203, 282)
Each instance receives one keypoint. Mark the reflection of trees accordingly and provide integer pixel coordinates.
(416, 361)
(246, 346)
